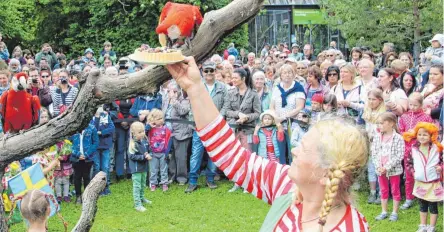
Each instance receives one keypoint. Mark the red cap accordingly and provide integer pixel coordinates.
(317, 98)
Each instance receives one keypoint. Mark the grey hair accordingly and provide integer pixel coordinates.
(257, 74)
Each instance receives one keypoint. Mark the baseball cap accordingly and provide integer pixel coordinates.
(294, 45)
(238, 64)
(209, 65)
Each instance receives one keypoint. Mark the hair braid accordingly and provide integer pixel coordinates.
(336, 173)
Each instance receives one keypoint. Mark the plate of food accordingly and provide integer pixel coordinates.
(158, 56)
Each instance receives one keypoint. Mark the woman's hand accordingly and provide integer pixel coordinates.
(185, 73)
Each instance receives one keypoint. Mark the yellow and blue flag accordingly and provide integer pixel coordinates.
(32, 178)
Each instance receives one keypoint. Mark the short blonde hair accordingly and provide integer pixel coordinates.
(154, 115)
(135, 127)
(416, 96)
(351, 68)
(344, 154)
(35, 205)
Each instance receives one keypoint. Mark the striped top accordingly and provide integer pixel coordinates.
(56, 94)
(270, 147)
(264, 179)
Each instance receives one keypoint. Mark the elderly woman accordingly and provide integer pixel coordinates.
(368, 81)
(302, 69)
(395, 98)
(288, 97)
(328, 161)
(177, 106)
(242, 106)
(349, 93)
(262, 90)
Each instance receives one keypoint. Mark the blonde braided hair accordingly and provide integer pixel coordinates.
(344, 153)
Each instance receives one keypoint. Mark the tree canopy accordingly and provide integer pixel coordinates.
(72, 26)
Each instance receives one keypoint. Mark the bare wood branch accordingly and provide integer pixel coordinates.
(89, 206)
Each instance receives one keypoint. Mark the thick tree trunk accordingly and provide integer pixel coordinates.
(89, 206)
(99, 89)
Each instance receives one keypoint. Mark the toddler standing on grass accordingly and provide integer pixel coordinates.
(138, 163)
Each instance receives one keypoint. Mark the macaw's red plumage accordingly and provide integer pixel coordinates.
(178, 20)
(19, 109)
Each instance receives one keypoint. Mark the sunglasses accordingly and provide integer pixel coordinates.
(332, 74)
(304, 116)
(45, 76)
(300, 68)
(209, 71)
(282, 57)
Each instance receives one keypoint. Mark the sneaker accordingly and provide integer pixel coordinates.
(153, 188)
(422, 228)
(234, 189)
(211, 185)
(146, 201)
(79, 200)
(165, 187)
(377, 201)
(381, 216)
(371, 198)
(59, 200)
(191, 188)
(407, 204)
(67, 199)
(431, 229)
(393, 217)
(182, 183)
(217, 177)
(245, 191)
(140, 209)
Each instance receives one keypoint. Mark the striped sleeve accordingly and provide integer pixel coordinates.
(264, 179)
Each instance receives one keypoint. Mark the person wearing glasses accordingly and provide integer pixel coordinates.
(64, 94)
(46, 77)
(332, 76)
(218, 93)
(37, 88)
(107, 53)
(330, 54)
(308, 53)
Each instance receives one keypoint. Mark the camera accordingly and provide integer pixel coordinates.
(122, 64)
(64, 80)
(35, 81)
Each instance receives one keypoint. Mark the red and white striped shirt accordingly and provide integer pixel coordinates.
(264, 179)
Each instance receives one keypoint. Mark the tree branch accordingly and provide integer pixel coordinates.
(99, 89)
(89, 205)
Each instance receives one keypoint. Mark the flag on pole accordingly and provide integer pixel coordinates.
(32, 178)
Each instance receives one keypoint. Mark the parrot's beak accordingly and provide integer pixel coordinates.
(20, 87)
(163, 40)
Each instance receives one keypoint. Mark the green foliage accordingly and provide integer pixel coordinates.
(72, 26)
(239, 37)
(373, 22)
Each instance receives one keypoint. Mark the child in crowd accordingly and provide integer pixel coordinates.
(316, 107)
(329, 104)
(35, 208)
(387, 150)
(300, 127)
(63, 172)
(84, 148)
(373, 109)
(267, 135)
(424, 161)
(407, 122)
(105, 129)
(138, 163)
(159, 146)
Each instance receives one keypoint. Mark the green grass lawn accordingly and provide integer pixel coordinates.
(203, 210)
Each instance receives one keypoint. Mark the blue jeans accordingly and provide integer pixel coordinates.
(196, 160)
(101, 163)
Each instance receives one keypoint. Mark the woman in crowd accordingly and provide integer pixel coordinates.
(356, 56)
(262, 90)
(302, 69)
(288, 97)
(408, 60)
(314, 85)
(335, 157)
(178, 107)
(394, 97)
(349, 93)
(64, 95)
(332, 76)
(391, 56)
(408, 83)
(242, 106)
(18, 54)
(433, 93)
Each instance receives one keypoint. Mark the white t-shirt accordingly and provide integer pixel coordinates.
(291, 100)
(210, 87)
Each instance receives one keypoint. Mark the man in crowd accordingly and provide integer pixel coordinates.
(308, 53)
(217, 92)
(295, 54)
(48, 54)
(264, 52)
(36, 87)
